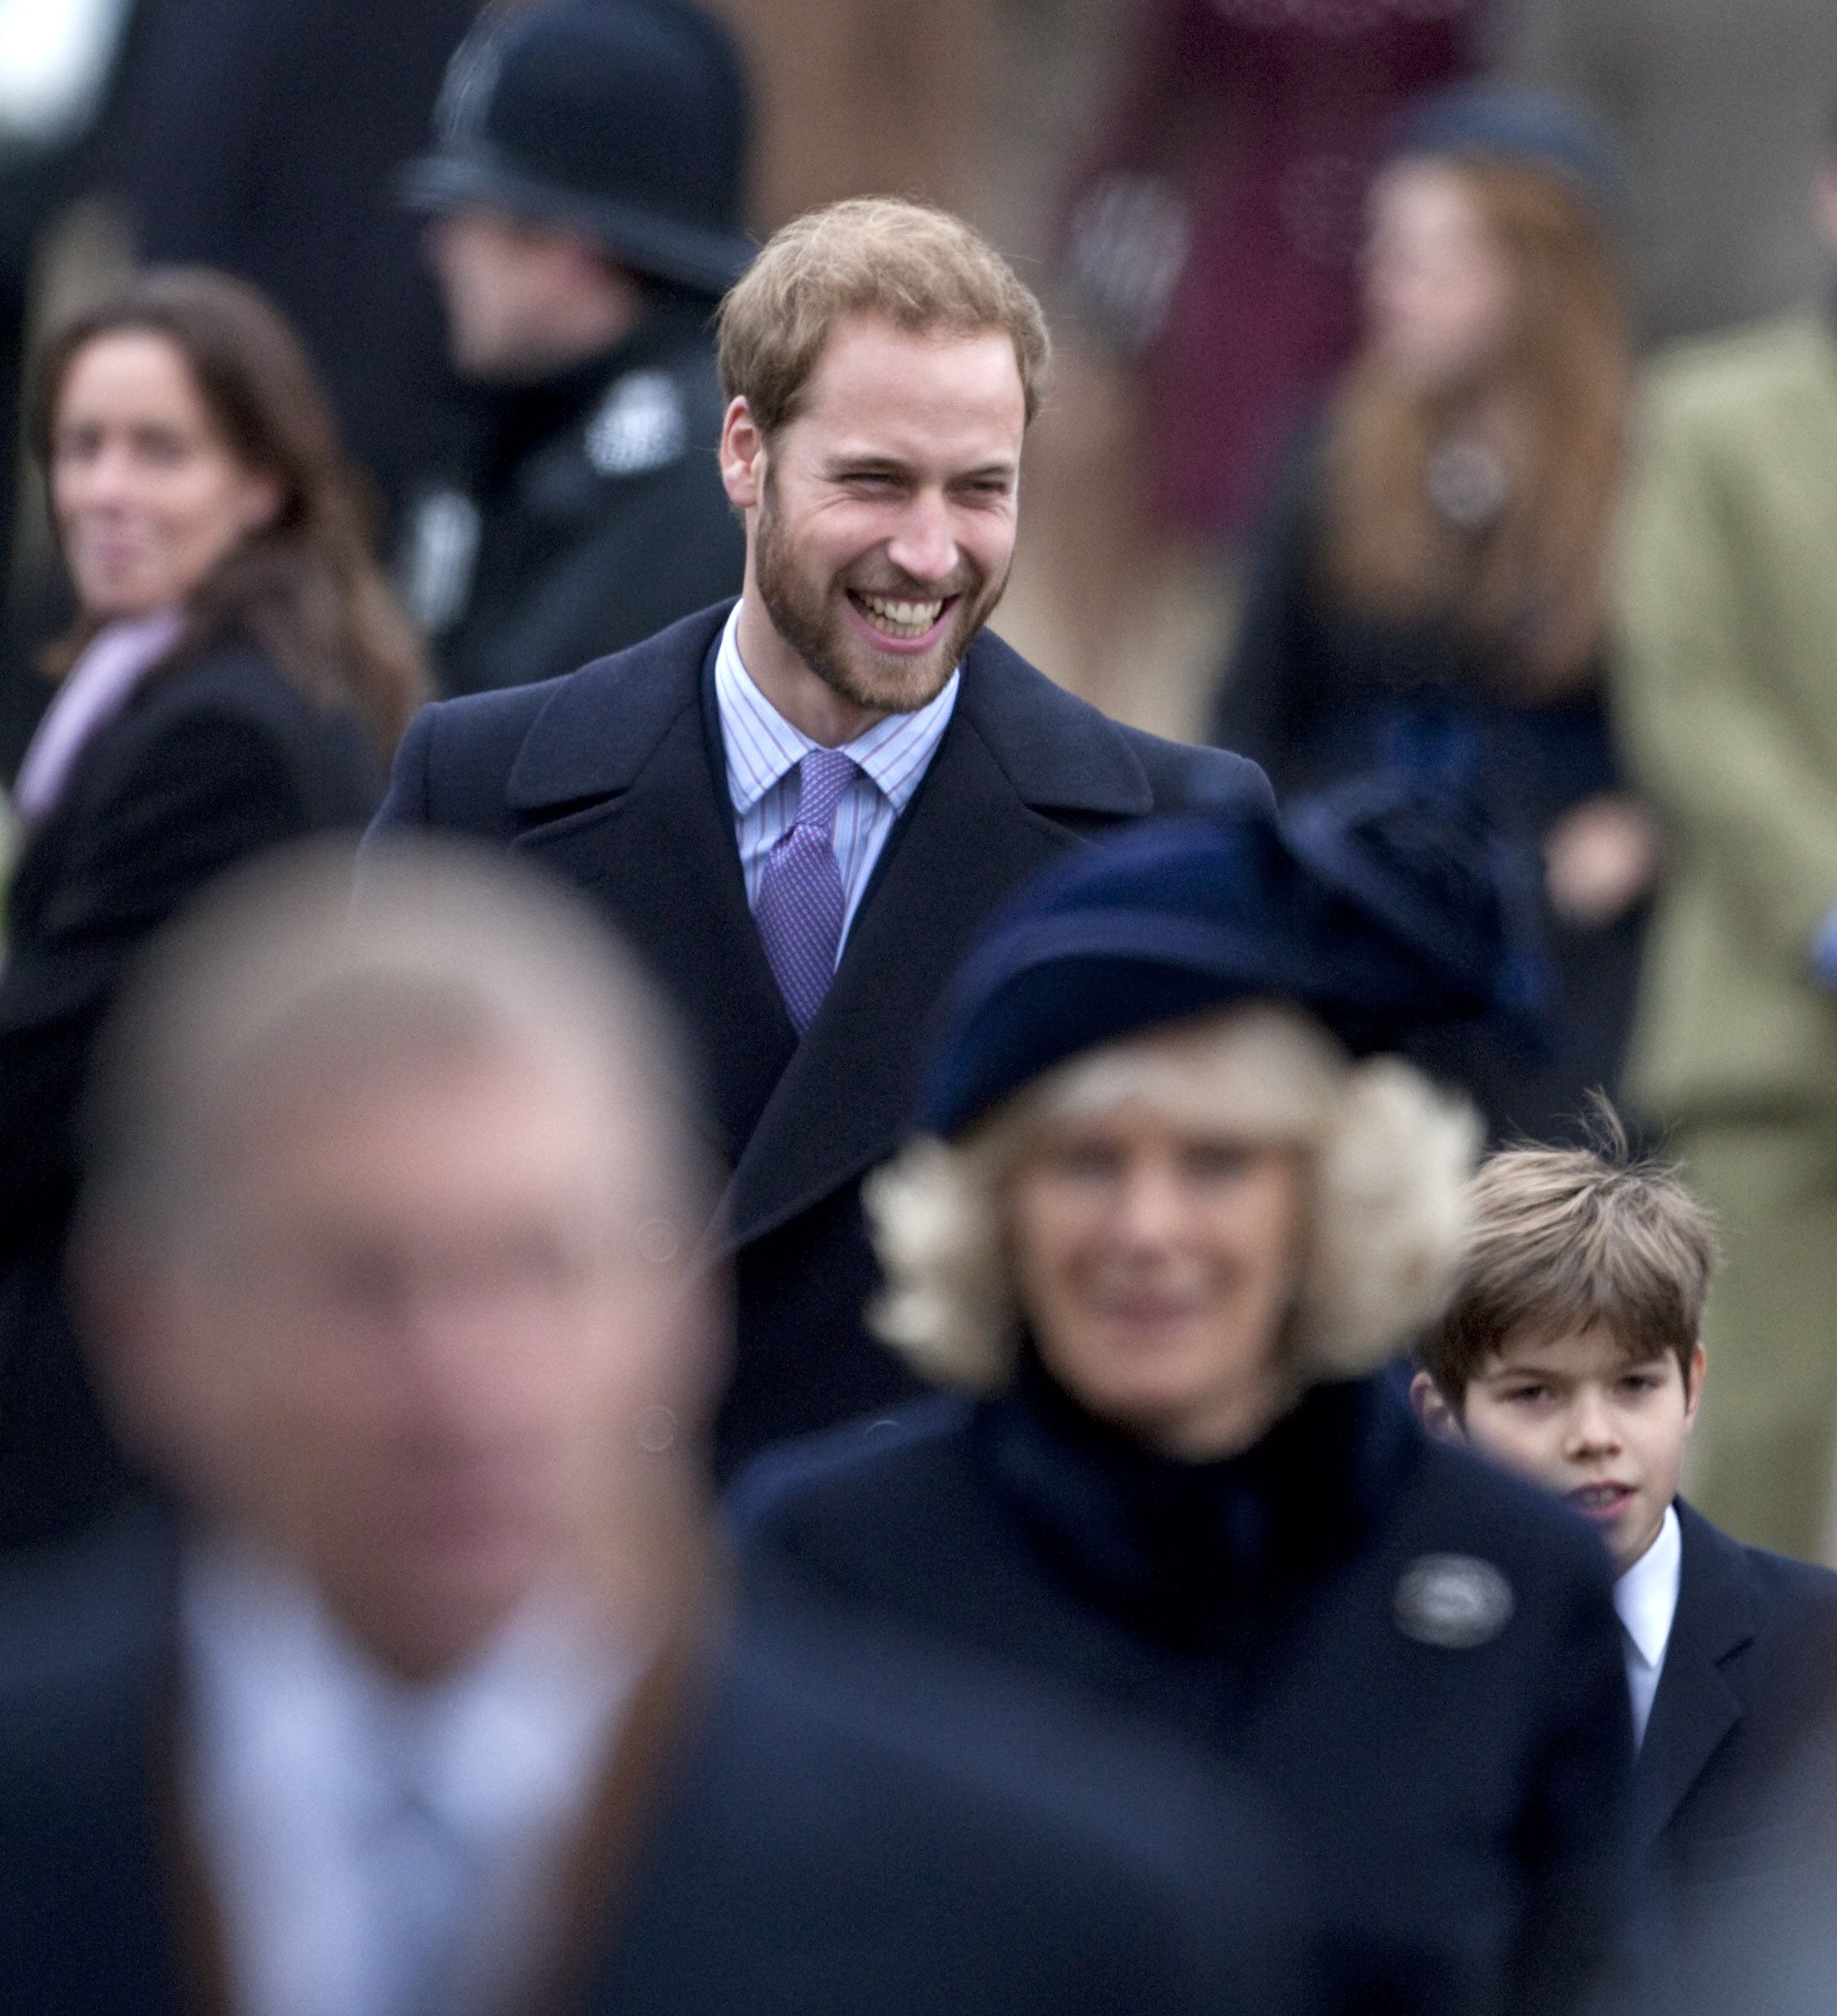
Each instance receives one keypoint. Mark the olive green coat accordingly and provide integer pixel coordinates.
(1728, 702)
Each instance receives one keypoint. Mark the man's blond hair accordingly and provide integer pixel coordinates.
(1570, 1239)
(921, 269)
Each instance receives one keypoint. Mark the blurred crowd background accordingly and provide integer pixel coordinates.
(1351, 414)
(1184, 180)
(1443, 415)
(1334, 469)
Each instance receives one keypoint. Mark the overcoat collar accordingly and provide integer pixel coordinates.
(600, 726)
(622, 779)
(1695, 1708)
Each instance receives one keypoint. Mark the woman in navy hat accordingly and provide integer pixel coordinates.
(1174, 1203)
(1430, 581)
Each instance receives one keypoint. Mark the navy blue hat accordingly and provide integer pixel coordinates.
(1515, 123)
(623, 120)
(1377, 909)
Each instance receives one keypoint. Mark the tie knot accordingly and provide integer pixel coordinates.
(823, 777)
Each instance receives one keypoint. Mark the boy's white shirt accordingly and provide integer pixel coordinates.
(1646, 1598)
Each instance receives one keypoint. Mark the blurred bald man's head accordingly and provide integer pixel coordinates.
(386, 1245)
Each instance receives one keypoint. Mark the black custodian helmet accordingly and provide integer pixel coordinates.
(624, 121)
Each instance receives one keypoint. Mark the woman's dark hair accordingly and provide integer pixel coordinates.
(304, 586)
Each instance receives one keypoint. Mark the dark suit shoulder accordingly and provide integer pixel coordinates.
(868, 1460)
(474, 763)
(1734, 1597)
(873, 1507)
(873, 1823)
(1791, 1590)
(234, 673)
(1062, 754)
(234, 688)
(1185, 776)
(82, 1610)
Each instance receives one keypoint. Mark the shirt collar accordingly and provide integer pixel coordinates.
(515, 1734)
(1646, 1595)
(762, 746)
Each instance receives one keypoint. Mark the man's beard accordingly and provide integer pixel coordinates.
(812, 621)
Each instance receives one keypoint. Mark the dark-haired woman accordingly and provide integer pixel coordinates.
(238, 677)
(1429, 585)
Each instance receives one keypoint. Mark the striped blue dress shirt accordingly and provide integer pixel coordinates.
(764, 750)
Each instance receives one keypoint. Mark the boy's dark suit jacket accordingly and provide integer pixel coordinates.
(614, 776)
(1746, 1672)
(1735, 1794)
(798, 1824)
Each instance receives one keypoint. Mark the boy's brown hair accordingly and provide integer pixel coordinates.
(919, 268)
(1564, 1239)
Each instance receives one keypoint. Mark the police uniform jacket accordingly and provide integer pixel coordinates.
(1414, 1659)
(615, 779)
(599, 519)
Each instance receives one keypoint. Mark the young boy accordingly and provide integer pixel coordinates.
(1570, 1354)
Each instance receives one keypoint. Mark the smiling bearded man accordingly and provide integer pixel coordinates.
(799, 806)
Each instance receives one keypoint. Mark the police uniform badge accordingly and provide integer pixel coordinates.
(641, 425)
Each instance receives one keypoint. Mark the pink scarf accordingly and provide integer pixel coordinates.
(97, 688)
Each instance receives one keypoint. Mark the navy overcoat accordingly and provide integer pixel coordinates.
(1414, 1658)
(809, 1822)
(614, 778)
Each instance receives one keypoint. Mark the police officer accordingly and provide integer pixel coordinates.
(585, 193)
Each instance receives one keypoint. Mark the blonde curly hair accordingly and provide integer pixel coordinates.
(1390, 1157)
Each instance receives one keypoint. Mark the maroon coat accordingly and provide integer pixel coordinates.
(1262, 118)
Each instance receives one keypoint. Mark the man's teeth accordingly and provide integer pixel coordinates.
(901, 619)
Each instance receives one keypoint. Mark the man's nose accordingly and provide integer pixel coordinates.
(924, 546)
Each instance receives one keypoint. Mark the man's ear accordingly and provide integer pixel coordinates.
(742, 456)
(1433, 1411)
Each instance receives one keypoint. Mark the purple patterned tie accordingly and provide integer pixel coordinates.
(799, 908)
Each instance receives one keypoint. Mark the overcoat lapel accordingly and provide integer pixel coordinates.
(653, 846)
(622, 782)
(659, 1724)
(1694, 1707)
(973, 833)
